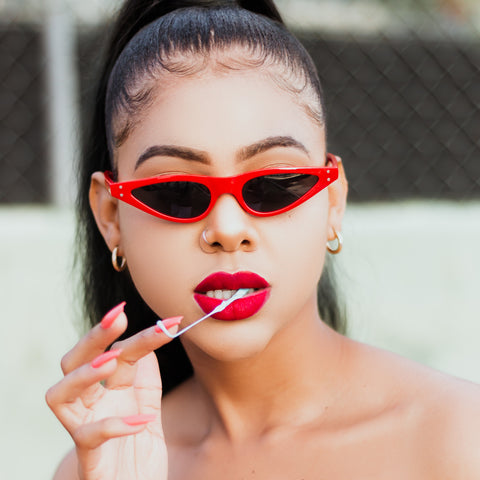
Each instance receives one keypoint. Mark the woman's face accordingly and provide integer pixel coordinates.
(223, 125)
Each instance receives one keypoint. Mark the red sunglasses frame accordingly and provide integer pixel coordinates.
(222, 185)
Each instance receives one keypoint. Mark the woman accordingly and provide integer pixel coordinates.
(208, 173)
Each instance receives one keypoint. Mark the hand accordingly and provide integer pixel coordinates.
(116, 426)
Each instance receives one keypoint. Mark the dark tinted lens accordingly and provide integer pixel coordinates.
(274, 192)
(175, 199)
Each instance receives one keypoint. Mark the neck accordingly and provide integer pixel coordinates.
(290, 382)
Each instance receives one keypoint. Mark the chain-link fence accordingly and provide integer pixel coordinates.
(405, 115)
(401, 79)
(23, 136)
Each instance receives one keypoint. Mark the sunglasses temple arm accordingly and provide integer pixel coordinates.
(239, 294)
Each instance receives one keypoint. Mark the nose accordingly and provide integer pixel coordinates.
(229, 228)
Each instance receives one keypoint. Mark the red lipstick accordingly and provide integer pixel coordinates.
(216, 284)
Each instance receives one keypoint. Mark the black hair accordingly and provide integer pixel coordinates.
(145, 34)
(188, 41)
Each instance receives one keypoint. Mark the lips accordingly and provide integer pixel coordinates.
(243, 307)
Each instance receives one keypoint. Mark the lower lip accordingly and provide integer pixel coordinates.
(240, 309)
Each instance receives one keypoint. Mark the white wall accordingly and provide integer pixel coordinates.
(412, 281)
(410, 272)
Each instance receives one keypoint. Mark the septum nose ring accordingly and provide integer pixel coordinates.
(204, 237)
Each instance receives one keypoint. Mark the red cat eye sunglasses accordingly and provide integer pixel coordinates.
(189, 198)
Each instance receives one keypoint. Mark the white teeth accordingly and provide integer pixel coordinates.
(225, 294)
(220, 294)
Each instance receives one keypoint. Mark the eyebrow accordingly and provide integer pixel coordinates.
(172, 151)
(202, 157)
(267, 144)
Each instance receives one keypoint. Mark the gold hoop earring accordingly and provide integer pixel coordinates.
(115, 257)
(339, 239)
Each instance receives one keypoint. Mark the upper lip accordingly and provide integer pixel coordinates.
(231, 281)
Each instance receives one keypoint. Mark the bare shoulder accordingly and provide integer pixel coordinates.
(444, 412)
(68, 468)
(455, 428)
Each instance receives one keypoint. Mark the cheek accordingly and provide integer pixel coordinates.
(156, 252)
(301, 249)
(305, 233)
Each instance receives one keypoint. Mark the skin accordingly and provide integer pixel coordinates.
(278, 395)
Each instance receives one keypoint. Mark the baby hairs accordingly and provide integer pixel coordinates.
(151, 39)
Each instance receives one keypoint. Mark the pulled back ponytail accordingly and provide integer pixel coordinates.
(136, 14)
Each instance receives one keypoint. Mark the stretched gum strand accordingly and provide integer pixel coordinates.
(240, 293)
(109, 318)
(105, 358)
(169, 323)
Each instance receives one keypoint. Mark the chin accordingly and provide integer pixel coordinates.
(228, 343)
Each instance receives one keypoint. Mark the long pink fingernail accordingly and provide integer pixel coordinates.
(110, 317)
(169, 323)
(105, 357)
(135, 420)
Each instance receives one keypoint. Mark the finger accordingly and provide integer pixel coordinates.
(113, 324)
(92, 435)
(84, 382)
(148, 385)
(135, 348)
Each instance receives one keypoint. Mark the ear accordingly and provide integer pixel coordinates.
(337, 199)
(105, 210)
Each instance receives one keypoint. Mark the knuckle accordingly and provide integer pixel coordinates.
(136, 347)
(66, 362)
(50, 397)
(81, 438)
(119, 345)
(92, 435)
